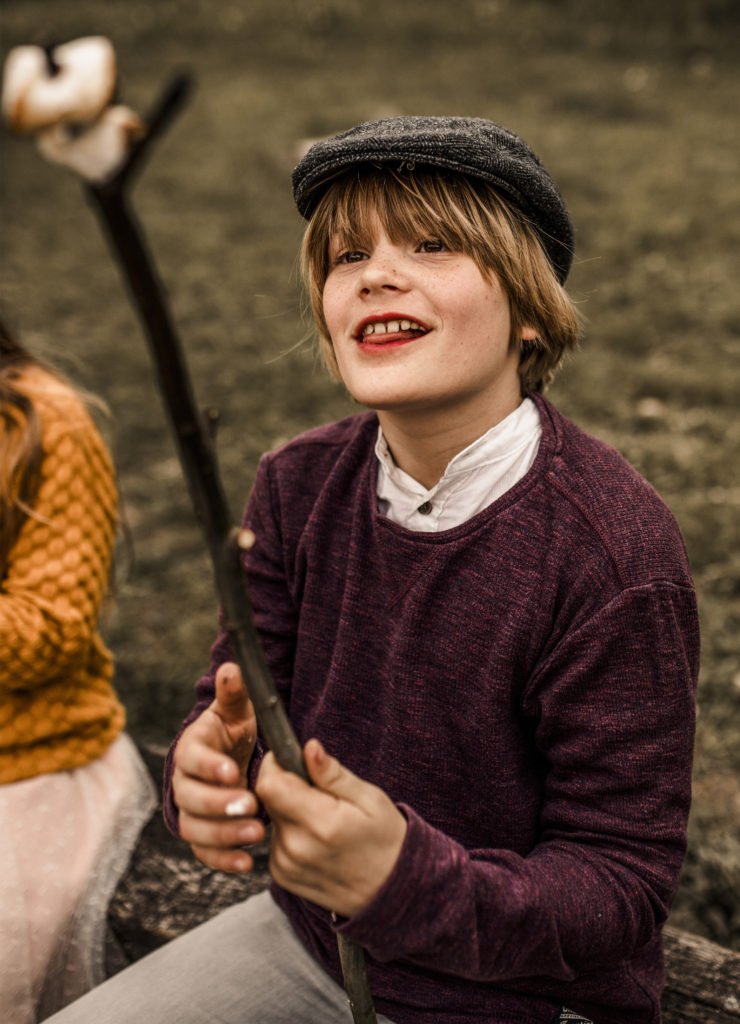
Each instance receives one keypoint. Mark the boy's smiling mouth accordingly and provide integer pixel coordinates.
(389, 328)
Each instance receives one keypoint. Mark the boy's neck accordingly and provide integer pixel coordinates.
(423, 445)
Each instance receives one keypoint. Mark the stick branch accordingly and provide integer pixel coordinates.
(198, 461)
(199, 467)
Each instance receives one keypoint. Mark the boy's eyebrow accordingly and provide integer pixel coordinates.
(341, 238)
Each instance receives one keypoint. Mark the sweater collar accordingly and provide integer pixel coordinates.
(473, 479)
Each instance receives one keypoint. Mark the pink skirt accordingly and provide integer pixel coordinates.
(65, 841)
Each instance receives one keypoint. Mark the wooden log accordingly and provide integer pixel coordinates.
(703, 981)
(166, 891)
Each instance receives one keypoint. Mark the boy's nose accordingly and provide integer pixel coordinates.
(383, 272)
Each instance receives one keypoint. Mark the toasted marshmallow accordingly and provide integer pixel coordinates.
(34, 98)
(99, 150)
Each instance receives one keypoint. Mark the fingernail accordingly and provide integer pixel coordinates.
(249, 834)
(225, 770)
(245, 539)
(238, 808)
(320, 752)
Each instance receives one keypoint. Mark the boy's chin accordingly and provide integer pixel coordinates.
(382, 400)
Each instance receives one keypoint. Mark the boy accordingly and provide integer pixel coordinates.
(485, 615)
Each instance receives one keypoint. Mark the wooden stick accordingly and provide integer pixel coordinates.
(198, 461)
(199, 467)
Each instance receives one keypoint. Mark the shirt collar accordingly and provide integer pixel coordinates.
(493, 461)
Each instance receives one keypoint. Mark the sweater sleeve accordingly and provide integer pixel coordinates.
(612, 712)
(274, 615)
(58, 568)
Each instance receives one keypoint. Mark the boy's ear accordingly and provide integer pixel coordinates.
(528, 333)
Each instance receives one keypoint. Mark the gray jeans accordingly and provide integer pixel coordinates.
(244, 966)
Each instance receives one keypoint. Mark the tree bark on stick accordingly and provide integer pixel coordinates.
(198, 461)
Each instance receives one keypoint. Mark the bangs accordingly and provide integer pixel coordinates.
(409, 206)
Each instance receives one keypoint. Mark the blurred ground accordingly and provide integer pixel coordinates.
(633, 109)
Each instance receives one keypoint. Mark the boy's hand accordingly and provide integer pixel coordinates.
(334, 844)
(209, 780)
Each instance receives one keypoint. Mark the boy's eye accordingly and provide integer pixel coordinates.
(350, 256)
(432, 245)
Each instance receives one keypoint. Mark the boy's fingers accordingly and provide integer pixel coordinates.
(283, 793)
(220, 834)
(287, 795)
(198, 759)
(234, 861)
(208, 801)
(231, 701)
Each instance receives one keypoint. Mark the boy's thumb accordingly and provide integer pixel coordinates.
(231, 702)
(329, 774)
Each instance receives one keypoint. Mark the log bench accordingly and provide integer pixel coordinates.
(165, 892)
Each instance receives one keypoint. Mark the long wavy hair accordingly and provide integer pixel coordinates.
(21, 451)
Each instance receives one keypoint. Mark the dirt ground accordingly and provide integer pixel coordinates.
(631, 106)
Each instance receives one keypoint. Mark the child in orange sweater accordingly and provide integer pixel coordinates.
(73, 791)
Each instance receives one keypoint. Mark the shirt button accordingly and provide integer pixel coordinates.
(425, 509)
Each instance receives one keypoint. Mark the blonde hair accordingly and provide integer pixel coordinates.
(20, 446)
(21, 442)
(466, 215)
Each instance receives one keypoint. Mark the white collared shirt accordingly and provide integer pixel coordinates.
(476, 476)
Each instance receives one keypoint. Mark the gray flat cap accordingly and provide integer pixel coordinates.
(468, 145)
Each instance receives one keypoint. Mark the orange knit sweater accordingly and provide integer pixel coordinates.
(58, 709)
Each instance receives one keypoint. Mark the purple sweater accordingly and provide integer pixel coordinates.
(522, 686)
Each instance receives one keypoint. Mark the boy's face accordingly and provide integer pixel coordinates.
(419, 329)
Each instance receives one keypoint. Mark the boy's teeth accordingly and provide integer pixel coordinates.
(390, 327)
